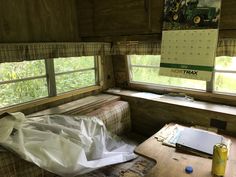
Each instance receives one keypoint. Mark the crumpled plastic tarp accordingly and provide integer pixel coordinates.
(64, 145)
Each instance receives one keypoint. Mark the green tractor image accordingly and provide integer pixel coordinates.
(183, 11)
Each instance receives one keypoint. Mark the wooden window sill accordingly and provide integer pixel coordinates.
(179, 101)
(43, 103)
(196, 94)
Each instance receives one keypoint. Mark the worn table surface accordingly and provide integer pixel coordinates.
(170, 163)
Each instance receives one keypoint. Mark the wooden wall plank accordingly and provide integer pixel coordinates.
(119, 20)
(117, 38)
(64, 20)
(108, 74)
(120, 71)
(38, 21)
(113, 17)
(228, 33)
(85, 11)
(120, 17)
(148, 116)
(156, 13)
(228, 15)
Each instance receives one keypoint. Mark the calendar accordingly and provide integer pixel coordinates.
(188, 53)
(189, 38)
(191, 14)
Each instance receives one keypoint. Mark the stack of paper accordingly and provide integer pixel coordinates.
(191, 140)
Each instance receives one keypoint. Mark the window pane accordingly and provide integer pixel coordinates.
(225, 82)
(225, 63)
(19, 70)
(72, 81)
(150, 75)
(23, 91)
(148, 60)
(73, 63)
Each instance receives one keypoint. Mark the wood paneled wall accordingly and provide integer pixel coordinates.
(112, 17)
(38, 21)
(228, 15)
(108, 73)
(112, 20)
(149, 116)
(92, 20)
(120, 71)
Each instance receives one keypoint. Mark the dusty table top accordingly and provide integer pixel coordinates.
(170, 163)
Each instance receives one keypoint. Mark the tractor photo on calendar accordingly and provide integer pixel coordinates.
(191, 14)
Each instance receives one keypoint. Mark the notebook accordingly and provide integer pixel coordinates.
(198, 141)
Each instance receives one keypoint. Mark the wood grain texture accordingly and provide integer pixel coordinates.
(111, 18)
(85, 12)
(108, 74)
(149, 115)
(227, 33)
(200, 96)
(81, 106)
(228, 15)
(104, 20)
(143, 37)
(38, 21)
(129, 19)
(120, 71)
(172, 164)
(117, 38)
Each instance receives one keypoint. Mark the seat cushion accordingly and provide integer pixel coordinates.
(116, 117)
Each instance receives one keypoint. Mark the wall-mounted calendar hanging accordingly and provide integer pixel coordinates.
(189, 38)
(191, 14)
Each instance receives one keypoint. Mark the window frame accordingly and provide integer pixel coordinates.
(213, 78)
(50, 77)
(205, 95)
(161, 86)
(23, 79)
(30, 78)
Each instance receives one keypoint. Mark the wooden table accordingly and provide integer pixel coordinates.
(170, 163)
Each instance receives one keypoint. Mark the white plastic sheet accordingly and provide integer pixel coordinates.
(64, 145)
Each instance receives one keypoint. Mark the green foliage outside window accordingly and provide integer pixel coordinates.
(146, 60)
(27, 90)
(224, 77)
(72, 81)
(22, 91)
(73, 63)
(150, 75)
(20, 70)
(225, 82)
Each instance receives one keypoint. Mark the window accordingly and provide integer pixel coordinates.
(225, 75)
(29, 80)
(74, 73)
(22, 81)
(145, 69)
